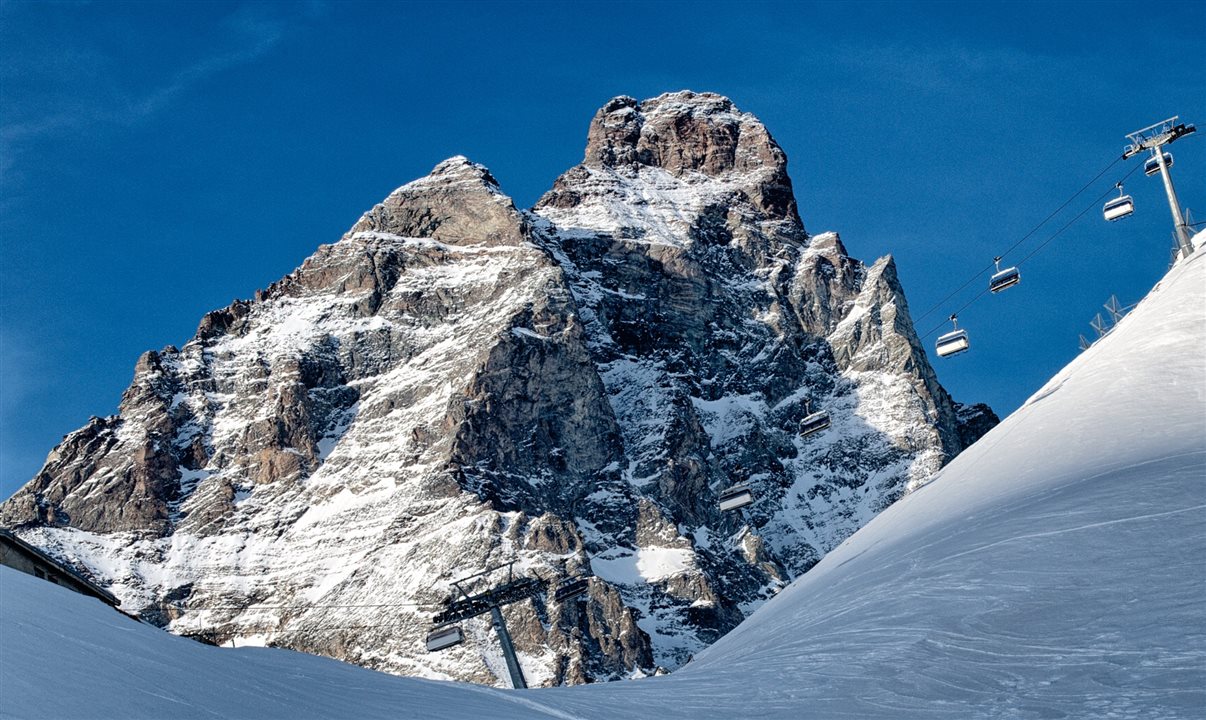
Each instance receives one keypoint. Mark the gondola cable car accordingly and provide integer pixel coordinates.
(571, 587)
(813, 421)
(735, 497)
(1152, 165)
(444, 637)
(1120, 207)
(1002, 279)
(954, 342)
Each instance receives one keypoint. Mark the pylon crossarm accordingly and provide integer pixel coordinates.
(1154, 136)
(480, 604)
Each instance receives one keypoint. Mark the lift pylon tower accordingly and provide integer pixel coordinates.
(1154, 138)
(491, 601)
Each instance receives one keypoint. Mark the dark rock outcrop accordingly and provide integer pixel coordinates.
(974, 422)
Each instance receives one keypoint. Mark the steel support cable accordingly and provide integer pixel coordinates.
(1044, 244)
(1078, 216)
(954, 292)
(965, 306)
(1024, 238)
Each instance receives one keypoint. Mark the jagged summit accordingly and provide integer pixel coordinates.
(459, 203)
(457, 382)
(682, 132)
(683, 149)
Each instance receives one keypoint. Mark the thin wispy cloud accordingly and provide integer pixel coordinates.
(78, 88)
(253, 35)
(72, 87)
(951, 67)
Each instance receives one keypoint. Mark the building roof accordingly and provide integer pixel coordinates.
(12, 538)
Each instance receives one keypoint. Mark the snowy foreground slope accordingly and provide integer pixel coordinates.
(1054, 569)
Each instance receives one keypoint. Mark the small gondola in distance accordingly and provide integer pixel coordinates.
(571, 587)
(1007, 278)
(1003, 279)
(814, 422)
(735, 497)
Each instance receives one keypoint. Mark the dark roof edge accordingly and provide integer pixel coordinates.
(99, 591)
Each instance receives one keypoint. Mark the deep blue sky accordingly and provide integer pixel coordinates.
(160, 160)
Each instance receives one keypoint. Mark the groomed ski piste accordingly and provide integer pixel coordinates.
(1056, 569)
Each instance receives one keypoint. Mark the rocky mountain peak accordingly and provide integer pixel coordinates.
(681, 132)
(456, 383)
(694, 137)
(459, 203)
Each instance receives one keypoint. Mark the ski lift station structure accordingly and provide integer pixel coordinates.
(447, 633)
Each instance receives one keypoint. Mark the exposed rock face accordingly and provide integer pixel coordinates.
(435, 208)
(684, 133)
(457, 383)
(974, 422)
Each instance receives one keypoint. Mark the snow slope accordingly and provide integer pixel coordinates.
(64, 655)
(1055, 569)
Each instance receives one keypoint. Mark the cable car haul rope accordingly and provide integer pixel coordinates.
(1152, 138)
(1031, 254)
(1023, 239)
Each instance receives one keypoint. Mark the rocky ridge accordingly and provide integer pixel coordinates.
(457, 382)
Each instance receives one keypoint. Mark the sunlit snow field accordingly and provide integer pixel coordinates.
(1055, 569)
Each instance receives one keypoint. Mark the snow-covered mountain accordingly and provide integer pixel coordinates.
(1054, 570)
(458, 382)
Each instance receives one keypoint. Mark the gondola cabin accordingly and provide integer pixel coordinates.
(953, 343)
(1006, 278)
(444, 637)
(1118, 208)
(571, 588)
(1152, 166)
(815, 422)
(735, 498)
